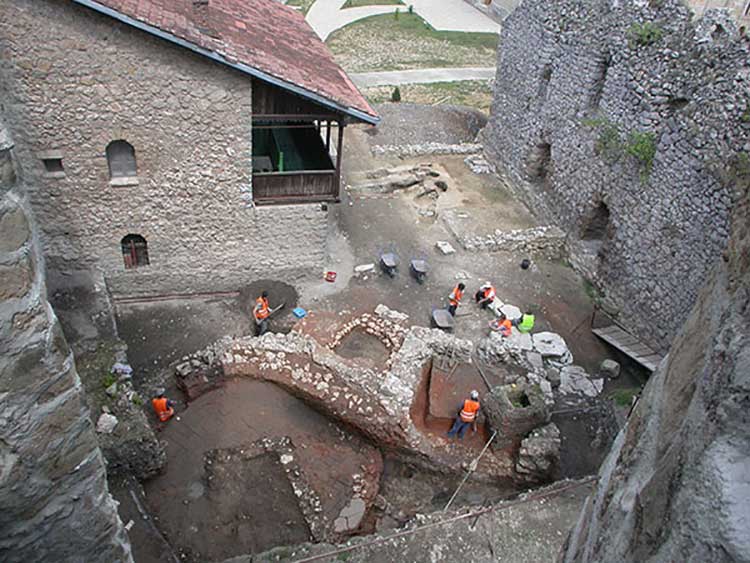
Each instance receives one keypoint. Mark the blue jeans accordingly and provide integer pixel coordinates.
(460, 427)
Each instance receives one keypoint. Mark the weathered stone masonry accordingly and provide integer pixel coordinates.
(73, 81)
(53, 488)
(575, 80)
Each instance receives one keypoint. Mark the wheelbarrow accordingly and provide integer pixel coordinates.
(418, 269)
(442, 319)
(389, 263)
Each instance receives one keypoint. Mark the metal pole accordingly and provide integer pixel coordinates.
(472, 468)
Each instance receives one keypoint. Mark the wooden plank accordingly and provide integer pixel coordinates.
(629, 345)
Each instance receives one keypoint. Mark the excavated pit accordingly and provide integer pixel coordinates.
(252, 467)
(363, 347)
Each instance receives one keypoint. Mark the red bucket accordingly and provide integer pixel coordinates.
(331, 277)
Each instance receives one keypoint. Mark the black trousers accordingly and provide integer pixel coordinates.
(261, 327)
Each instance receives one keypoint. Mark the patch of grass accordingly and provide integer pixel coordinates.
(745, 117)
(471, 93)
(642, 146)
(608, 144)
(387, 43)
(303, 5)
(109, 379)
(590, 290)
(644, 34)
(358, 3)
(344, 556)
(624, 397)
(137, 400)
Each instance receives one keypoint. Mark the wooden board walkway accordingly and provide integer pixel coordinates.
(629, 345)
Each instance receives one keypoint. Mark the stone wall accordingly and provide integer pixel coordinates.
(739, 9)
(676, 483)
(53, 488)
(618, 130)
(74, 81)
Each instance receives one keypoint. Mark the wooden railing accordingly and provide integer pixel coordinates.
(292, 187)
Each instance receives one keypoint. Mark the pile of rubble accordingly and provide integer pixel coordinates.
(388, 180)
(479, 165)
(125, 436)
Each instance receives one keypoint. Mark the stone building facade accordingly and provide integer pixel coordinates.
(74, 81)
(620, 122)
(53, 486)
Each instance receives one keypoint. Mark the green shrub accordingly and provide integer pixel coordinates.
(396, 96)
(396, 13)
(624, 397)
(608, 143)
(643, 34)
(411, 8)
(642, 146)
(137, 400)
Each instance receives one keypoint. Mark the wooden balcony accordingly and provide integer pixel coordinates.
(295, 187)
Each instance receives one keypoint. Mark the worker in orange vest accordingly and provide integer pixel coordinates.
(454, 299)
(485, 295)
(467, 416)
(163, 407)
(502, 325)
(261, 312)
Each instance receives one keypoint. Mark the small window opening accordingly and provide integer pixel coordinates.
(678, 103)
(121, 160)
(600, 78)
(597, 224)
(53, 165)
(538, 163)
(134, 251)
(544, 81)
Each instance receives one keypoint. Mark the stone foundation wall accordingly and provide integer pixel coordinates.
(620, 130)
(53, 487)
(74, 81)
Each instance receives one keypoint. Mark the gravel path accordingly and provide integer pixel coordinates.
(326, 16)
(421, 76)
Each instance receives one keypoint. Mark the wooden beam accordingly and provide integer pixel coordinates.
(339, 154)
(328, 137)
(292, 117)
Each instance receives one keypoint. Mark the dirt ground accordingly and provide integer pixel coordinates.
(159, 333)
(206, 527)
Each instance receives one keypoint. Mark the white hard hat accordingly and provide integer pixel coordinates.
(160, 391)
(474, 394)
(486, 284)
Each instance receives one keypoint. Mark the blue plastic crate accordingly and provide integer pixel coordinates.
(299, 312)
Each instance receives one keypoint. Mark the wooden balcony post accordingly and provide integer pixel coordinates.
(339, 155)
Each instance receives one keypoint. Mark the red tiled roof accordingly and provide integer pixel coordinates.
(262, 34)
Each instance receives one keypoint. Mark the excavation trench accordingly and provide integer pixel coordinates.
(252, 466)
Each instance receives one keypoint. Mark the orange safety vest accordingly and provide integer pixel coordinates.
(162, 409)
(261, 309)
(505, 327)
(455, 297)
(489, 293)
(469, 412)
